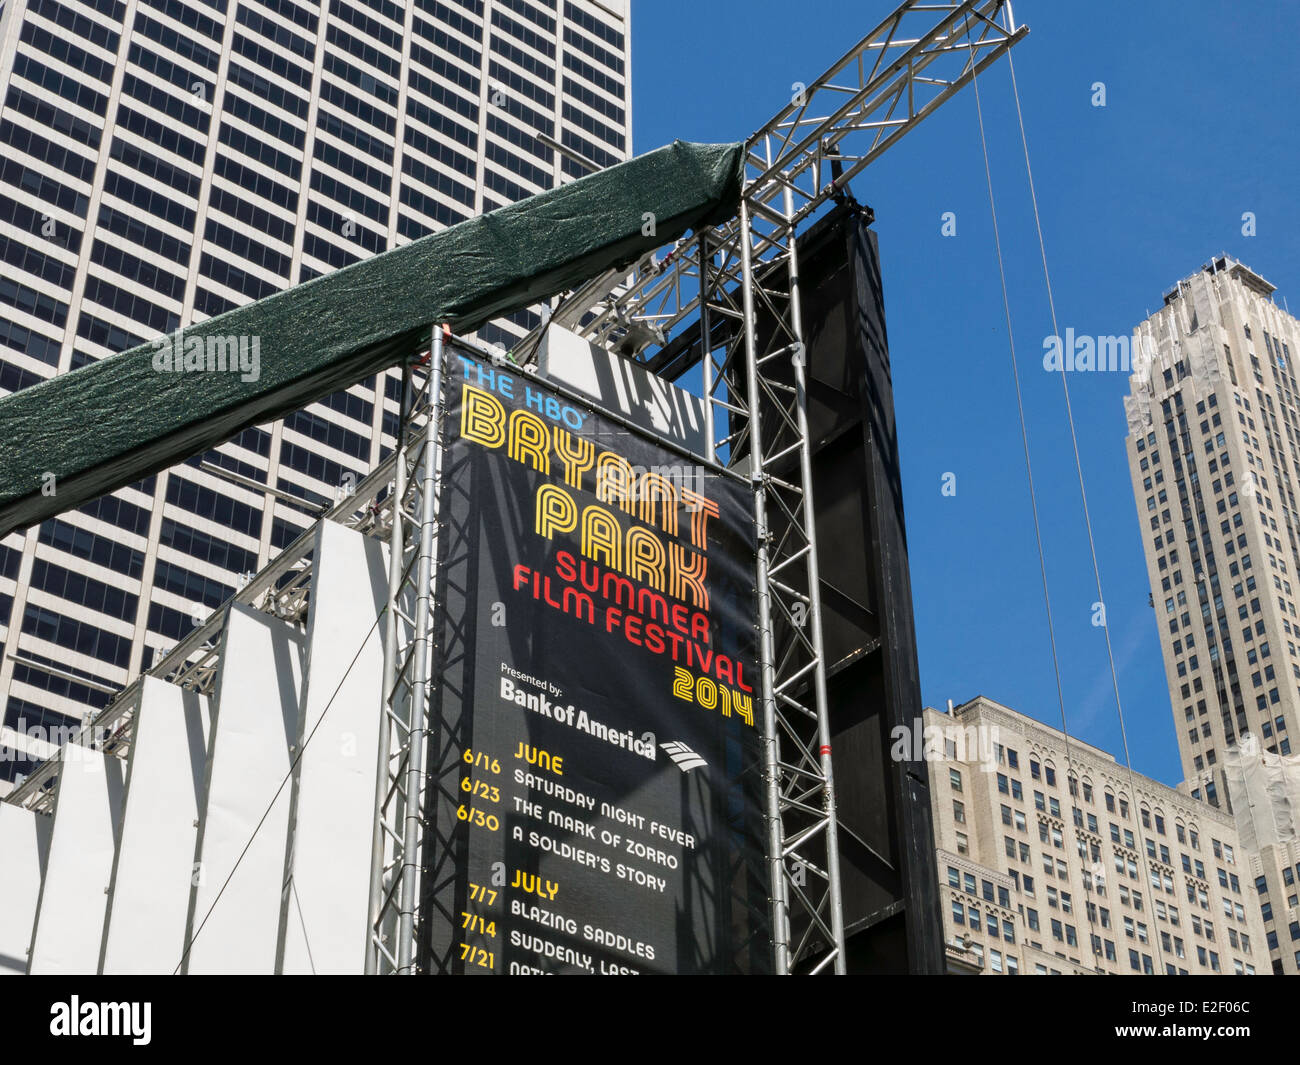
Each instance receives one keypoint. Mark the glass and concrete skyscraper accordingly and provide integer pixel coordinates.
(1214, 451)
(162, 161)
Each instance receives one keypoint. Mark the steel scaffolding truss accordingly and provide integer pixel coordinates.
(725, 283)
(832, 129)
(280, 588)
(408, 670)
(737, 286)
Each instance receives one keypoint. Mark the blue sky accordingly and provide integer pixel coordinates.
(1199, 127)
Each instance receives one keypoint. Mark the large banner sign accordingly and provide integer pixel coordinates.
(595, 779)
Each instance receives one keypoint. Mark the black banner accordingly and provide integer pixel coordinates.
(595, 779)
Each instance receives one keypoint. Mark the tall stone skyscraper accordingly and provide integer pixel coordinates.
(1214, 452)
(166, 160)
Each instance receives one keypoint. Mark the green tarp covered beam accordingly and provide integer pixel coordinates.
(116, 421)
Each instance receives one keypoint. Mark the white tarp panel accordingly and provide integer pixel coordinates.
(325, 911)
(24, 844)
(619, 384)
(70, 919)
(234, 910)
(1264, 789)
(152, 876)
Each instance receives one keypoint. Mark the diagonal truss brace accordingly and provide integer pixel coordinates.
(833, 128)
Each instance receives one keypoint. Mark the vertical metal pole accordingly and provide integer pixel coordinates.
(431, 469)
(815, 598)
(706, 350)
(771, 768)
(396, 567)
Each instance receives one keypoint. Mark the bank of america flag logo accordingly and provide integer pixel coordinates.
(683, 757)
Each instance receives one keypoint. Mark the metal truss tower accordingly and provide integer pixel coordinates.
(722, 282)
(725, 282)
